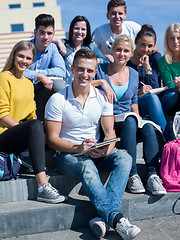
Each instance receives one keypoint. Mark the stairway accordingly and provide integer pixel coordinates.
(21, 214)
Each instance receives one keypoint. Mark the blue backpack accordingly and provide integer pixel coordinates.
(9, 166)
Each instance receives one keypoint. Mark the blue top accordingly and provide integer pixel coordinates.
(49, 63)
(92, 46)
(120, 90)
(129, 97)
(150, 79)
(69, 57)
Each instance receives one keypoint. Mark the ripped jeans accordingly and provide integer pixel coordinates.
(107, 200)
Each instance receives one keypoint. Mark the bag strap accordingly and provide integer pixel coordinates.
(12, 160)
(174, 205)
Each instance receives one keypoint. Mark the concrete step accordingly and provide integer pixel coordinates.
(165, 228)
(21, 214)
(25, 187)
(31, 217)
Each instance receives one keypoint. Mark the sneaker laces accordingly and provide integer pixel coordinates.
(135, 178)
(50, 189)
(157, 180)
(125, 224)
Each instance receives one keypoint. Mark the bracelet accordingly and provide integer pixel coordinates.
(148, 70)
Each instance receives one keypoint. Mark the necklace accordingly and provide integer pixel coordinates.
(118, 78)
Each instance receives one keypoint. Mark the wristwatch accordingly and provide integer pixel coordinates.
(148, 70)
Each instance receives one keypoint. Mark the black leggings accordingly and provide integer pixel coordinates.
(29, 134)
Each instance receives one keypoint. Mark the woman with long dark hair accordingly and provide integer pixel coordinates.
(79, 37)
(146, 64)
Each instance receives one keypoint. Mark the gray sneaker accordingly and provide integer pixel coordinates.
(126, 230)
(98, 227)
(135, 185)
(154, 185)
(50, 195)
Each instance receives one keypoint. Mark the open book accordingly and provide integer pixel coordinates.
(141, 122)
(98, 145)
(155, 91)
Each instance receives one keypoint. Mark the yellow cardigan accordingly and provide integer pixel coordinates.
(16, 98)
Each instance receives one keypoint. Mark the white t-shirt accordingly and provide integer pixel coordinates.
(104, 37)
(78, 123)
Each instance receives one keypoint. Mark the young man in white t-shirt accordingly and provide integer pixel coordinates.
(73, 118)
(105, 35)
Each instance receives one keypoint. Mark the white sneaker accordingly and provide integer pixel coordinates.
(135, 185)
(126, 230)
(154, 185)
(98, 227)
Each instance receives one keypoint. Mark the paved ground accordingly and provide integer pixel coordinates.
(164, 228)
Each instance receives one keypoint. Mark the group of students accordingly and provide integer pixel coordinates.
(105, 76)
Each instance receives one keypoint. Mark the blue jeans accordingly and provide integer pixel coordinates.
(106, 201)
(169, 99)
(150, 107)
(127, 130)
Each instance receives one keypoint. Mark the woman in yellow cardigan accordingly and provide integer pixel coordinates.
(19, 128)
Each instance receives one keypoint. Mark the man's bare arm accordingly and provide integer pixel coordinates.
(108, 128)
(55, 142)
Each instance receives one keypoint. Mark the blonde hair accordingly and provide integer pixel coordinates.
(122, 38)
(168, 54)
(22, 45)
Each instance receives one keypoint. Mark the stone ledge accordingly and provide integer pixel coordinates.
(30, 217)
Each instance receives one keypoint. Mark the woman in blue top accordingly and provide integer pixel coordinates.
(124, 82)
(146, 64)
(79, 37)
